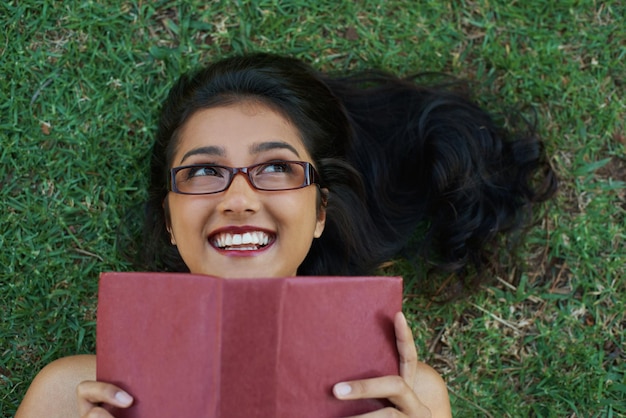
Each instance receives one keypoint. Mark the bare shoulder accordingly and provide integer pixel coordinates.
(53, 391)
(432, 390)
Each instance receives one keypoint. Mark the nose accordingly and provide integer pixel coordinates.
(240, 197)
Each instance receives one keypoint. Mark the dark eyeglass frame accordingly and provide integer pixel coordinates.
(311, 176)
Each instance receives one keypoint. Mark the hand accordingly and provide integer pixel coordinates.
(92, 394)
(397, 389)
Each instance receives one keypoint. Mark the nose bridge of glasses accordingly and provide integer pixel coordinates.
(245, 172)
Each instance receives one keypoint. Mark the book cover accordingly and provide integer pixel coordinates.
(198, 346)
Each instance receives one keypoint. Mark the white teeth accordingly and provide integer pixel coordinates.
(249, 239)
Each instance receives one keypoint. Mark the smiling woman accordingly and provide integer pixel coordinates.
(263, 167)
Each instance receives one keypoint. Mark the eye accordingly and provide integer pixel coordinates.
(275, 167)
(203, 171)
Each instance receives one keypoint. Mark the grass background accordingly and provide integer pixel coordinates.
(80, 85)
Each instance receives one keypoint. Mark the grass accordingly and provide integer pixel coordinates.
(81, 84)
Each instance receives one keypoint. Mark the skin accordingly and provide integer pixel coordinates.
(67, 387)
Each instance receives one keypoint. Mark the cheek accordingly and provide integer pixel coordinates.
(186, 213)
(304, 213)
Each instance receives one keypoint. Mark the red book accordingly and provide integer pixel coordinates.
(198, 346)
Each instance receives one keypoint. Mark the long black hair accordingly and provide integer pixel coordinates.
(396, 156)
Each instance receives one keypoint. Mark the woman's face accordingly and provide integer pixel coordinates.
(241, 135)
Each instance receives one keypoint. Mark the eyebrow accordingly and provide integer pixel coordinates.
(266, 146)
(211, 150)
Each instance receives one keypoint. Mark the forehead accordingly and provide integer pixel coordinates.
(237, 130)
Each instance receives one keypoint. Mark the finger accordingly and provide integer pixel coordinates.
(394, 388)
(386, 413)
(97, 412)
(406, 349)
(91, 393)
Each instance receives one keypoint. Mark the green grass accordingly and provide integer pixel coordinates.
(80, 85)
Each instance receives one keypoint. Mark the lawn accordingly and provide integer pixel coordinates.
(82, 81)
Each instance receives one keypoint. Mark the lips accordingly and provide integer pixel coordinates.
(241, 241)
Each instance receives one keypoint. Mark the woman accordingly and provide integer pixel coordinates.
(260, 161)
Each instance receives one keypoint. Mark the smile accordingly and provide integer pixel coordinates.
(247, 241)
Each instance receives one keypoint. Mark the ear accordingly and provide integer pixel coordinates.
(321, 214)
(168, 224)
(172, 239)
(320, 223)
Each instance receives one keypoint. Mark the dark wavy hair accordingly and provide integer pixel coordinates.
(396, 156)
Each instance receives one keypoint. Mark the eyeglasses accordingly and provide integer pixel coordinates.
(273, 175)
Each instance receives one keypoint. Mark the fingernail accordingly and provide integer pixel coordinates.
(123, 398)
(342, 389)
